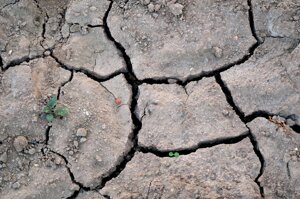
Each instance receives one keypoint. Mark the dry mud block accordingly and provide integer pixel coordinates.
(167, 39)
(88, 12)
(91, 51)
(23, 91)
(173, 118)
(35, 176)
(90, 195)
(277, 18)
(269, 81)
(225, 171)
(95, 134)
(21, 27)
(280, 149)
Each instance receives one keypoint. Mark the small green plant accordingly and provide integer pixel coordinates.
(174, 154)
(53, 110)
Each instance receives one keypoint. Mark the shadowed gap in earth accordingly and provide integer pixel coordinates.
(189, 150)
(241, 115)
(134, 82)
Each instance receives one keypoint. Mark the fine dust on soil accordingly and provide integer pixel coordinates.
(215, 82)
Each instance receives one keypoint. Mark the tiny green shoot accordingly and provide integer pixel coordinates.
(52, 110)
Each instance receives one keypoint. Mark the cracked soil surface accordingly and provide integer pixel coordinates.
(187, 99)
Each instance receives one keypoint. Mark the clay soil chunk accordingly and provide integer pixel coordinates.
(182, 39)
(92, 107)
(88, 12)
(280, 149)
(21, 27)
(173, 119)
(225, 171)
(91, 51)
(269, 81)
(276, 18)
(37, 177)
(23, 91)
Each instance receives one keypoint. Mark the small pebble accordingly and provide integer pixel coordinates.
(31, 151)
(93, 8)
(82, 140)
(81, 132)
(218, 52)
(16, 185)
(20, 143)
(176, 8)
(145, 2)
(157, 7)
(75, 143)
(151, 7)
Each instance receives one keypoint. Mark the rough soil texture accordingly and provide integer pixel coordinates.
(166, 99)
(280, 149)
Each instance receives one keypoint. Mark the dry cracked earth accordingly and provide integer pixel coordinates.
(216, 81)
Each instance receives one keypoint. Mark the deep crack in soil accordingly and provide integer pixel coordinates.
(137, 125)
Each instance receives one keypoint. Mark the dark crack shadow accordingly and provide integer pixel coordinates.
(192, 149)
(244, 119)
(90, 74)
(262, 162)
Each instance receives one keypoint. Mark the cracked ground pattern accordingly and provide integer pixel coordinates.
(216, 81)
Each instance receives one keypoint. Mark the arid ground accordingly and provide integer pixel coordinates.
(166, 99)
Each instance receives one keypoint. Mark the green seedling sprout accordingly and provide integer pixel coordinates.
(53, 110)
(174, 154)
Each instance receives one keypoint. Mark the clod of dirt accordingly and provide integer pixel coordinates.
(176, 8)
(197, 175)
(280, 149)
(81, 132)
(183, 119)
(21, 30)
(20, 143)
(92, 106)
(277, 18)
(178, 39)
(269, 81)
(99, 56)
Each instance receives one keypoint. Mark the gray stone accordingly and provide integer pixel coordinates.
(280, 149)
(173, 118)
(91, 105)
(269, 81)
(223, 171)
(172, 46)
(99, 56)
(277, 18)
